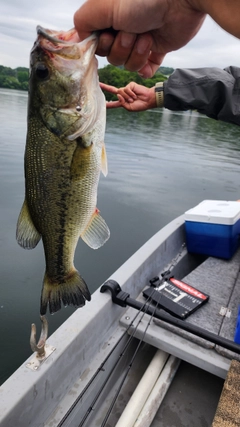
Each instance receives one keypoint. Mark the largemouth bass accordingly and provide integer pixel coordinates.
(64, 155)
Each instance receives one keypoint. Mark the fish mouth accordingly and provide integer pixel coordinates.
(61, 39)
(56, 37)
(64, 44)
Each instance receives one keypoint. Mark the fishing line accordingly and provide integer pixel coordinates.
(90, 409)
(129, 366)
(101, 367)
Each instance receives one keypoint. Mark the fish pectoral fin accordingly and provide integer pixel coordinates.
(97, 231)
(104, 165)
(27, 234)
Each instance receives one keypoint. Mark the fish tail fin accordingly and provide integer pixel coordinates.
(71, 291)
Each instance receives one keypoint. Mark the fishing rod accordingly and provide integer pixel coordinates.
(91, 407)
(123, 299)
(101, 369)
(141, 341)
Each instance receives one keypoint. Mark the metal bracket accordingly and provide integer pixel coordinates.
(119, 297)
(41, 349)
(225, 312)
(37, 361)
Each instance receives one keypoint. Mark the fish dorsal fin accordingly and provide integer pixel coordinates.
(27, 235)
(104, 165)
(97, 231)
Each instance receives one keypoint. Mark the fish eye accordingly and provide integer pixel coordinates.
(42, 72)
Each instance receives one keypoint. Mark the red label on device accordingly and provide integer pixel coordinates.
(184, 287)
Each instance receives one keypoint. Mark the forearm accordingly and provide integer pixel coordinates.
(211, 91)
(225, 12)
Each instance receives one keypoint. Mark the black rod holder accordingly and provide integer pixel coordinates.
(123, 299)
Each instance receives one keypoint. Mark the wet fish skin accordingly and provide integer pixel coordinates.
(63, 158)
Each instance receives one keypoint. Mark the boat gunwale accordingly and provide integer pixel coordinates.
(29, 397)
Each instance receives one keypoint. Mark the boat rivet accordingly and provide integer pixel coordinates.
(127, 318)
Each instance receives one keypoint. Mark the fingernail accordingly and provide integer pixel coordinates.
(145, 72)
(143, 45)
(104, 44)
(127, 39)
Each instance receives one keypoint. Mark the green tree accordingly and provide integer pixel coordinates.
(166, 71)
(22, 76)
(11, 83)
(14, 78)
(7, 71)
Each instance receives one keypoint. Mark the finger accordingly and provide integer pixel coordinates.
(113, 104)
(92, 16)
(130, 92)
(125, 96)
(125, 102)
(106, 40)
(108, 88)
(121, 48)
(153, 63)
(140, 53)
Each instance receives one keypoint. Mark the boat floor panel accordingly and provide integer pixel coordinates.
(191, 400)
(219, 279)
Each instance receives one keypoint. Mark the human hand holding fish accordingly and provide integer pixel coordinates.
(146, 30)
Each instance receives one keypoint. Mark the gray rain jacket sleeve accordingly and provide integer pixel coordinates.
(211, 91)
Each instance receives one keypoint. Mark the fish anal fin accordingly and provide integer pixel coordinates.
(26, 234)
(104, 165)
(97, 231)
(72, 290)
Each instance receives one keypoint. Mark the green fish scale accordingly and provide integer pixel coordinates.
(61, 191)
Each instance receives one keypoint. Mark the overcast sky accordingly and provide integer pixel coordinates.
(19, 18)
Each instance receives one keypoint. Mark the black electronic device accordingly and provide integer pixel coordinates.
(175, 296)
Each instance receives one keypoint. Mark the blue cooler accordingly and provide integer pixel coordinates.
(213, 228)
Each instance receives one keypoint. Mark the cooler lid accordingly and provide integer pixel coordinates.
(214, 211)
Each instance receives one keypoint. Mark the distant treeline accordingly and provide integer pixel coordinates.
(17, 78)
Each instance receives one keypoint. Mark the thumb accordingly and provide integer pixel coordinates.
(92, 16)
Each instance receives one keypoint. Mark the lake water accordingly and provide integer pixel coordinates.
(160, 164)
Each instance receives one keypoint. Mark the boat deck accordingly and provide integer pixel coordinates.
(191, 400)
(219, 279)
(89, 344)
